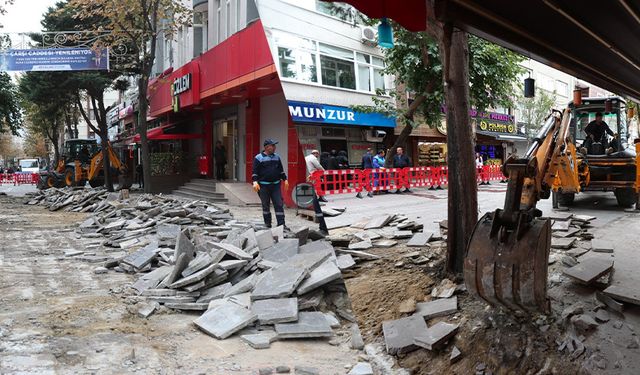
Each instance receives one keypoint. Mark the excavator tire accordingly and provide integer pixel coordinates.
(626, 197)
(96, 182)
(509, 272)
(69, 177)
(565, 199)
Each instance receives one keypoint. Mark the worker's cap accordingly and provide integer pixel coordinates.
(269, 141)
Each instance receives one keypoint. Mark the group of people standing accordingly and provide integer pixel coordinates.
(378, 161)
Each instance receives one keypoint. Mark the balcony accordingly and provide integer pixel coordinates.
(200, 5)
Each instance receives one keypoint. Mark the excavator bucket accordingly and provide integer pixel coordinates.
(509, 267)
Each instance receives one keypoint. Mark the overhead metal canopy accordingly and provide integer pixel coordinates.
(598, 41)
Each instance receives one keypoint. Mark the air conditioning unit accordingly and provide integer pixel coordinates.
(369, 35)
(375, 136)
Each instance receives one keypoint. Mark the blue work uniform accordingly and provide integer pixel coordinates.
(268, 172)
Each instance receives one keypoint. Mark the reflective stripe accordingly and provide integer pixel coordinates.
(268, 183)
(319, 215)
(266, 213)
(279, 213)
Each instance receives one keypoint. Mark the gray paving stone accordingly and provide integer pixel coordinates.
(309, 261)
(159, 292)
(333, 321)
(624, 293)
(202, 260)
(250, 236)
(436, 336)
(455, 355)
(309, 325)
(601, 246)
(589, 270)
(399, 334)
(184, 246)
(242, 299)
(190, 306)
(147, 309)
(302, 234)
(310, 300)
(191, 279)
(243, 286)
(360, 254)
(420, 239)
(167, 231)
(378, 222)
(402, 234)
(232, 264)
(345, 262)
(362, 245)
(174, 299)
(280, 310)
(385, 243)
(561, 225)
(216, 292)
(279, 282)
(278, 232)
(257, 341)
(315, 246)
(361, 368)
(305, 370)
(438, 307)
(357, 342)
(142, 257)
(283, 370)
(233, 251)
(152, 279)
(562, 243)
(282, 251)
(264, 239)
(224, 320)
(324, 274)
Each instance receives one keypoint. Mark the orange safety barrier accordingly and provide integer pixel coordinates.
(358, 180)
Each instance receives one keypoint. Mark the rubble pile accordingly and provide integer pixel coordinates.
(263, 284)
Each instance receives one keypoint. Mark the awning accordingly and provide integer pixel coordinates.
(160, 134)
(593, 40)
(503, 136)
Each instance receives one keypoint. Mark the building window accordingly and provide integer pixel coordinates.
(299, 58)
(562, 88)
(238, 14)
(342, 11)
(220, 38)
(228, 18)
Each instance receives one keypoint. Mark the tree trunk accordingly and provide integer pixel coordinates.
(462, 191)
(402, 139)
(101, 117)
(143, 81)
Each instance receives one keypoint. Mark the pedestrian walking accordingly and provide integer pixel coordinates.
(401, 160)
(139, 176)
(378, 163)
(267, 175)
(367, 163)
(220, 155)
(313, 164)
(479, 166)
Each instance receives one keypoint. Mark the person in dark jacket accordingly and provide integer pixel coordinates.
(220, 154)
(333, 160)
(324, 160)
(267, 175)
(343, 160)
(367, 163)
(401, 160)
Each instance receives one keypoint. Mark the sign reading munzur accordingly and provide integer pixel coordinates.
(54, 59)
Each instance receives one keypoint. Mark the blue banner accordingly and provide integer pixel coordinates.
(330, 114)
(54, 59)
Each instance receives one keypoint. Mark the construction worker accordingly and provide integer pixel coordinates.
(401, 160)
(314, 165)
(267, 175)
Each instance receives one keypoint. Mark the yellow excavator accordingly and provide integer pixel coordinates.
(82, 161)
(507, 256)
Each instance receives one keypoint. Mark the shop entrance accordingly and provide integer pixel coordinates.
(226, 132)
(326, 145)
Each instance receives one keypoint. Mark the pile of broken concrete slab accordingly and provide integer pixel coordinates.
(270, 284)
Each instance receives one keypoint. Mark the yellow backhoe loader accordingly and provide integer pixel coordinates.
(82, 161)
(507, 256)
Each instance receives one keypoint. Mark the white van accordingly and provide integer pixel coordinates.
(29, 165)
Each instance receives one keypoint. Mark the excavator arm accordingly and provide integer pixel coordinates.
(507, 256)
(97, 163)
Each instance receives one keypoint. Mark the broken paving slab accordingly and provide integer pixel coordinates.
(324, 274)
(561, 225)
(232, 251)
(361, 245)
(378, 222)
(194, 278)
(315, 246)
(361, 368)
(309, 261)
(399, 234)
(589, 270)
(264, 239)
(399, 334)
(562, 243)
(345, 262)
(569, 233)
(359, 254)
(202, 260)
(282, 251)
(583, 218)
(192, 306)
(279, 282)
(184, 246)
(142, 257)
(385, 243)
(420, 239)
(259, 340)
(438, 307)
(277, 310)
(232, 264)
(610, 302)
(224, 320)
(436, 336)
(309, 325)
(601, 246)
(215, 292)
(245, 285)
(624, 294)
(152, 279)
(147, 309)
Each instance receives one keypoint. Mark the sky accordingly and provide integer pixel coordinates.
(24, 15)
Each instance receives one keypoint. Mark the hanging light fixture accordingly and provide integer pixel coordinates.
(529, 87)
(577, 97)
(608, 106)
(385, 34)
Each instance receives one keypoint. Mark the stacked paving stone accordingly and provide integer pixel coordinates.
(263, 284)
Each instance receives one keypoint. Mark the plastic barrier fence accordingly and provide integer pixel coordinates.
(358, 180)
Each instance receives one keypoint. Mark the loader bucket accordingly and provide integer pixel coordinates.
(509, 269)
